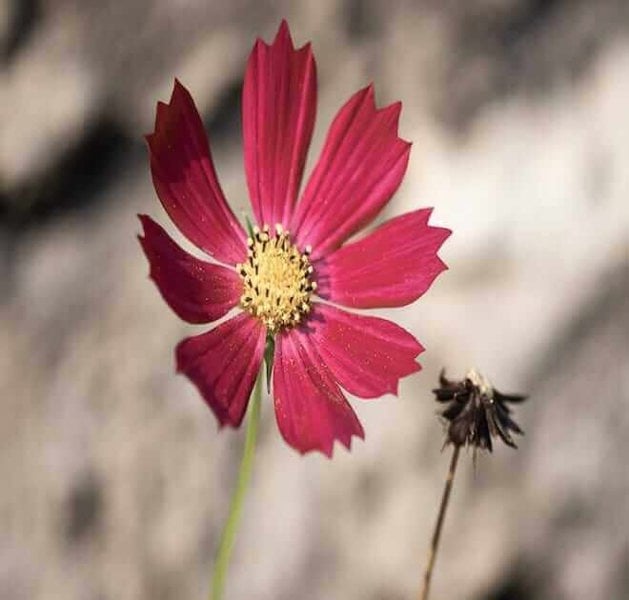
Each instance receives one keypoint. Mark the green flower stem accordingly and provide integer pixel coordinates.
(244, 474)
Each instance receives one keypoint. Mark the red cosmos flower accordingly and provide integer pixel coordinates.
(298, 252)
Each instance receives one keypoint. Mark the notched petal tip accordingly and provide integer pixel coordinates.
(393, 112)
(283, 35)
(169, 114)
(147, 223)
(180, 94)
(390, 112)
(161, 117)
(345, 443)
(149, 226)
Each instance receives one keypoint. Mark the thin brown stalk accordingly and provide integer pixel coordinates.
(434, 545)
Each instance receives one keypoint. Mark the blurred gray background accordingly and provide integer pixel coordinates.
(114, 480)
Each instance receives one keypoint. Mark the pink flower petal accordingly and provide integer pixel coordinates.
(392, 266)
(224, 363)
(198, 291)
(367, 355)
(186, 183)
(361, 166)
(278, 113)
(310, 408)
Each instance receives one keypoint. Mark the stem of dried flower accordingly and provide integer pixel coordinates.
(434, 544)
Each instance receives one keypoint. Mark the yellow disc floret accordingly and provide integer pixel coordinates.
(276, 279)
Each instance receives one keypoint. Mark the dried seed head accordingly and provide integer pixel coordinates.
(476, 411)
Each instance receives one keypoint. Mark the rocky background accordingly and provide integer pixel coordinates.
(114, 480)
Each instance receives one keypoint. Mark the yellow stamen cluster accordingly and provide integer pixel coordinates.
(276, 279)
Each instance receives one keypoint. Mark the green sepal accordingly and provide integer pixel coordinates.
(249, 226)
(269, 353)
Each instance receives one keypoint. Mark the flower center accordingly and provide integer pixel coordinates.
(276, 279)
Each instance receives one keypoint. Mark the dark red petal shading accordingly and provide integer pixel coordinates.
(186, 182)
(361, 166)
(224, 363)
(310, 408)
(392, 266)
(198, 291)
(367, 355)
(278, 112)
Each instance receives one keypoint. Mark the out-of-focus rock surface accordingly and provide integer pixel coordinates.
(115, 481)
